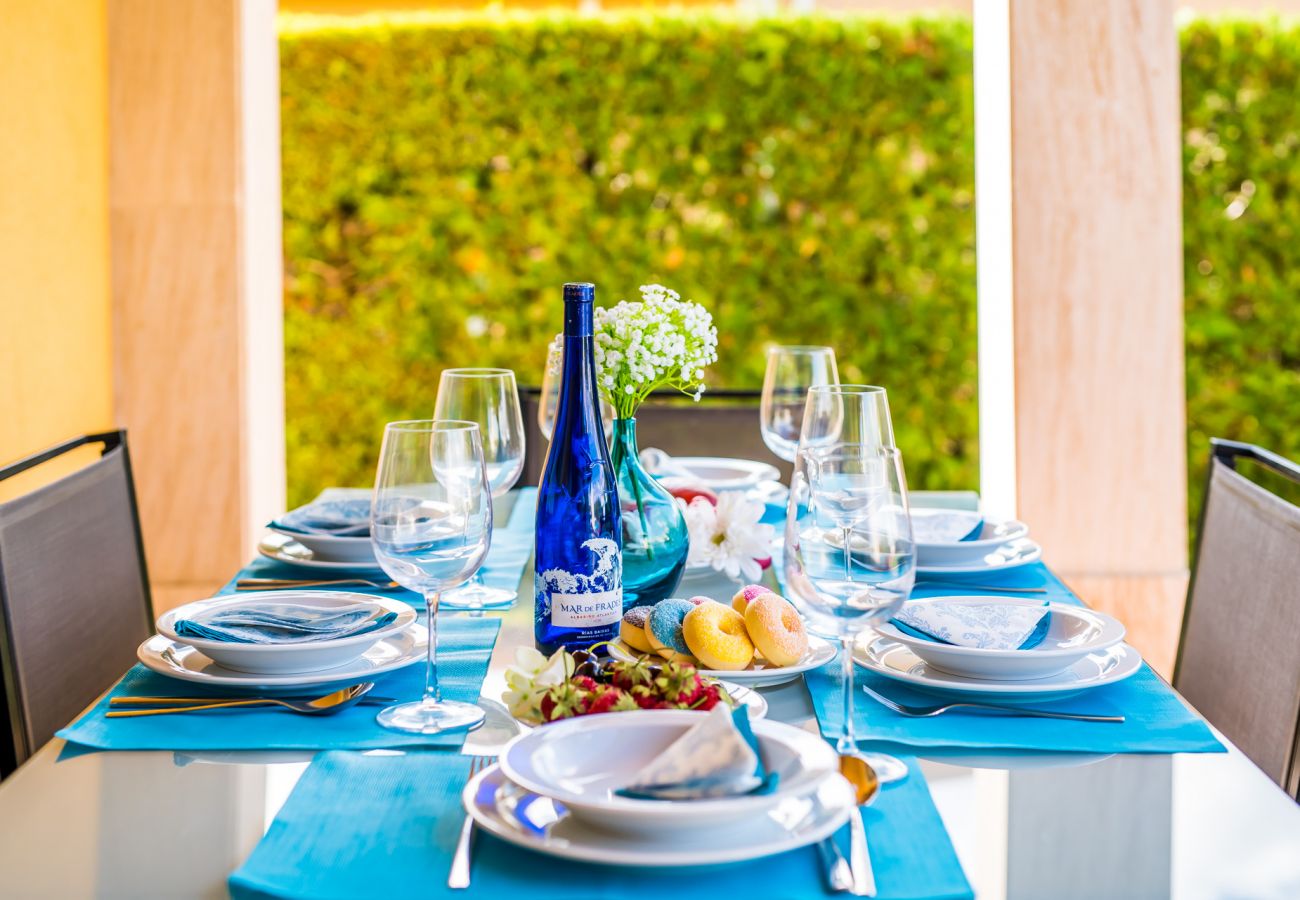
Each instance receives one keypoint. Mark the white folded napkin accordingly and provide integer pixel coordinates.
(945, 526)
(990, 626)
(718, 757)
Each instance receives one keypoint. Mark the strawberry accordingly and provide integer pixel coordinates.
(679, 685)
(584, 682)
(629, 675)
(710, 696)
(563, 702)
(609, 699)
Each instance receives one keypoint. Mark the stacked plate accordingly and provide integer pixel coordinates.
(276, 667)
(1082, 649)
(322, 552)
(958, 543)
(553, 791)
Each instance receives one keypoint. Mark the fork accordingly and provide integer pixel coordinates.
(925, 712)
(458, 877)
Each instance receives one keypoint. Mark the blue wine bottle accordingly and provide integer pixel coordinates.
(579, 559)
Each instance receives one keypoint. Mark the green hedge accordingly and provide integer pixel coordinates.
(809, 180)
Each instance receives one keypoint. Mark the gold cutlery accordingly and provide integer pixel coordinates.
(458, 877)
(319, 706)
(925, 712)
(367, 700)
(275, 584)
(867, 787)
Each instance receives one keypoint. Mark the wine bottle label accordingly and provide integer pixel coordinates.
(587, 600)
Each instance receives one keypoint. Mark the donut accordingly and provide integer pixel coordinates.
(632, 629)
(716, 635)
(696, 601)
(745, 594)
(663, 627)
(776, 629)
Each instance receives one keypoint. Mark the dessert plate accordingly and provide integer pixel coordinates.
(887, 657)
(290, 550)
(539, 823)
(288, 659)
(581, 762)
(1073, 632)
(181, 661)
(993, 534)
(720, 473)
(1003, 557)
(759, 674)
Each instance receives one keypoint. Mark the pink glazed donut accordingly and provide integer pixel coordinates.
(746, 594)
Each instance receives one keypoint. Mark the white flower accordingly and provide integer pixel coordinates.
(728, 537)
(530, 678)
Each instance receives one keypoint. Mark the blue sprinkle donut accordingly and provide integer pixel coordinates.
(664, 625)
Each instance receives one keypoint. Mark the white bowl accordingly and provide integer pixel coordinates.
(582, 761)
(993, 534)
(283, 659)
(1073, 633)
(720, 473)
(331, 548)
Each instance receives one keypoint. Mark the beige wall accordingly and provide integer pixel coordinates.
(55, 365)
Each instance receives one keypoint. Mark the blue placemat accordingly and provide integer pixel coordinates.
(512, 546)
(386, 826)
(464, 648)
(1156, 719)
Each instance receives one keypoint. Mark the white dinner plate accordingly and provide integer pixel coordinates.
(333, 547)
(759, 674)
(993, 534)
(886, 656)
(1002, 558)
(541, 824)
(181, 661)
(295, 658)
(288, 549)
(720, 473)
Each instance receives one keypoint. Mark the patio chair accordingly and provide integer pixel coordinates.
(74, 592)
(1239, 656)
(723, 423)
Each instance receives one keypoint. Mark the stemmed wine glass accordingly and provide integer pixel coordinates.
(849, 555)
(431, 526)
(791, 372)
(549, 401)
(490, 398)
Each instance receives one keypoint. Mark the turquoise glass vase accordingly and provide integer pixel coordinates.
(655, 541)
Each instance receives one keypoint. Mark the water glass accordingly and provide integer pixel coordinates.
(791, 371)
(549, 401)
(846, 414)
(431, 526)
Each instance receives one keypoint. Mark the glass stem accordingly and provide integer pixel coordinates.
(848, 741)
(431, 692)
(847, 531)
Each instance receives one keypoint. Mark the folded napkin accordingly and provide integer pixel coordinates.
(283, 623)
(719, 757)
(339, 518)
(990, 626)
(946, 526)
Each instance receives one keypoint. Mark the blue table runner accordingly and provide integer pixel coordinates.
(386, 826)
(1156, 718)
(464, 648)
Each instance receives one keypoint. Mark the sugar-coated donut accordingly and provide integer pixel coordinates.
(663, 627)
(716, 635)
(632, 629)
(745, 594)
(776, 629)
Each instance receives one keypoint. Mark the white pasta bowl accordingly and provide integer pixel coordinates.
(582, 761)
(1073, 633)
(993, 534)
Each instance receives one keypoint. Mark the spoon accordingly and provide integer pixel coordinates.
(867, 787)
(320, 706)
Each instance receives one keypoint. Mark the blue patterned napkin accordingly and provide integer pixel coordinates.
(386, 826)
(336, 517)
(718, 757)
(946, 526)
(284, 623)
(987, 625)
(464, 648)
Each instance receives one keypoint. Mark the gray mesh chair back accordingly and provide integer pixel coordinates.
(1239, 657)
(74, 592)
(723, 423)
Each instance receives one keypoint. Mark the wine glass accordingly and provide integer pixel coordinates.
(549, 401)
(791, 371)
(849, 555)
(846, 414)
(490, 398)
(431, 526)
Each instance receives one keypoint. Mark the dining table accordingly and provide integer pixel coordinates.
(1023, 824)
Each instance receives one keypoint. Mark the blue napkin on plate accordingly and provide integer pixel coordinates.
(988, 625)
(718, 757)
(283, 623)
(342, 517)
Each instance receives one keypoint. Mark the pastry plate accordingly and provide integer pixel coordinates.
(289, 550)
(538, 823)
(760, 674)
(181, 661)
(889, 658)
